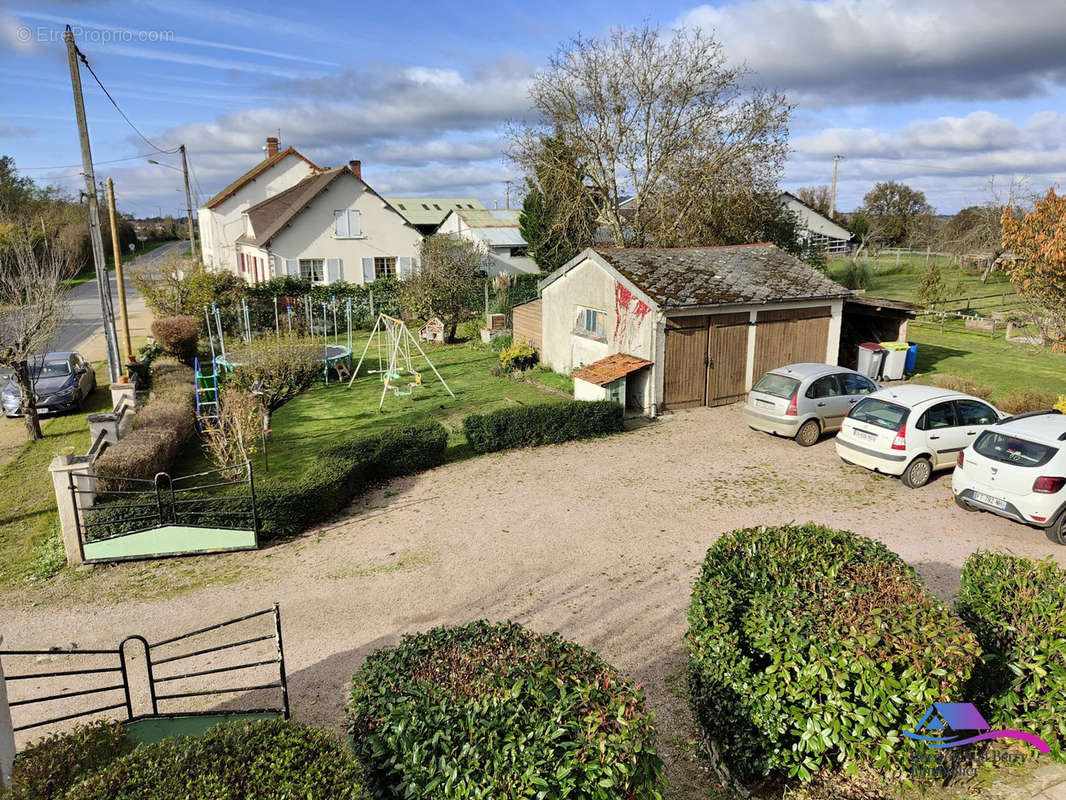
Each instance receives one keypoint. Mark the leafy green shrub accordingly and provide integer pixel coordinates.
(1017, 609)
(501, 343)
(545, 423)
(178, 336)
(169, 295)
(809, 648)
(267, 760)
(47, 768)
(1020, 402)
(494, 710)
(275, 369)
(856, 276)
(343, 472)
(519, 356)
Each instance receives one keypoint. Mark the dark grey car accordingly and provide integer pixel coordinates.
(61, 382)
(803, 401)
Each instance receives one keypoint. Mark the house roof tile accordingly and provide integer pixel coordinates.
(610, 369)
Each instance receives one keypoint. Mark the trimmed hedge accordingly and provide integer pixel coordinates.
(545, 423)
(343, 472)
(1017, 609)
(809, 648)
(495, 710)
(178, 336)
(267, 760)
(50, 766)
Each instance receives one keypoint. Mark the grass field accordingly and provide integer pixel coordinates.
(900, 282)
(1006, 366)
(29, 527)
(315, 419)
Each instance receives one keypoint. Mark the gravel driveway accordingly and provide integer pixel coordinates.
(599, 540)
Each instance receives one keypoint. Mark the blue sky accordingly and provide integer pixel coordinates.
(943, 95)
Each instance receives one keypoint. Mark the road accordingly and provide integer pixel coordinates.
(83, 320)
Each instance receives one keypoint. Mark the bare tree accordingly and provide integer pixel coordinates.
(817, 197)
(32, 302)
(662, 119)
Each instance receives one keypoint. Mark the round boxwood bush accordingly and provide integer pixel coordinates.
(495, 710)
(811, 648)
(267, 760)
(48, 767)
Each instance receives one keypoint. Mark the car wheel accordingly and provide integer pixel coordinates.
(1057, 530)
(918, 473)
(808, 433)
(963, 504)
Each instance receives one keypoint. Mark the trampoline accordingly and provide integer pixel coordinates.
(330, 354)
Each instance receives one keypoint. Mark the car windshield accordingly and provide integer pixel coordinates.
(777, 385)
(1012, 450)
(879, 413)
(49, 369)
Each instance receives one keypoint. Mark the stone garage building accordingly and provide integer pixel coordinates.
(700, 323)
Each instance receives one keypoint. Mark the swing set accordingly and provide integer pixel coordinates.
(393, 338)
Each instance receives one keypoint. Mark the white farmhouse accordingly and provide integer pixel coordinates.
(221, 219)
(329, 227)
(496, 232)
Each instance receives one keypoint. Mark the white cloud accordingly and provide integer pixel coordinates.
(837, 52)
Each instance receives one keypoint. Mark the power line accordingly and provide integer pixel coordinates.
(72, 166)
(103, 88)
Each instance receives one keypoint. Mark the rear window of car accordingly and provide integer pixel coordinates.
(879, 413)
(777, 385)
(1012, 450)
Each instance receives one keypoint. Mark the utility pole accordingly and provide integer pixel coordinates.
(833, 191)
(507, 201)
(99, 262)
(117, 247)
(188, 204)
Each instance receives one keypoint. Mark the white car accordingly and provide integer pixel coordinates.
(1017, 469)
(912, 430)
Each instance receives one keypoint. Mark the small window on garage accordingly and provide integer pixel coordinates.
(591, 323)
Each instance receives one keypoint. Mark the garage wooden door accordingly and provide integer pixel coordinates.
(685, 371)
(790, 337)
(727, 357)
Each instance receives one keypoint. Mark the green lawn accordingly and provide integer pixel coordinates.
(316, 419)
(973, 355)
(894, 282)
(29, 527)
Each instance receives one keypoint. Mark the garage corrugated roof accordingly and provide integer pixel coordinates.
(708, 276)
(610, 368)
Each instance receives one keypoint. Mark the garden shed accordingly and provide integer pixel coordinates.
(708, 321)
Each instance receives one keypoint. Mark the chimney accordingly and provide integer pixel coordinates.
(356, 166)
(272, 146)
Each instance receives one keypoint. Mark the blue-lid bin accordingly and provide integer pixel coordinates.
(912, 359)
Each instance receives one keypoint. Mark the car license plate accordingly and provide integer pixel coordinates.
(763, 403)
(988, 500)
(863, 435)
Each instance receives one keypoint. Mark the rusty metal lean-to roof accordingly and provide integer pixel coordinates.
(610, 369)
(710, 276)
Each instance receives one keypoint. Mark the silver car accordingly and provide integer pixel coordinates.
(803, 401)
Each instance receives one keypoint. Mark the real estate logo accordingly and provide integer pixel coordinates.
(940, 728)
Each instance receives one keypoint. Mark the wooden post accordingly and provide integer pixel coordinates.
(119, 279)
(927, 256)
(7, 733)
(897, 258)
(992, 333)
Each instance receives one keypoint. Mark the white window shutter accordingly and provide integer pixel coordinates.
(292, 267)
(368, 270)
(355, 223)
(340, 223)
(404, 264)
(333, 270)
(279, 266)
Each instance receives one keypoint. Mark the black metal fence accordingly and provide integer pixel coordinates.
(108, 507)
(94, 676)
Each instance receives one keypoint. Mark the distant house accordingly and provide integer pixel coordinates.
(698, 324)
(221, 219)
(329, 227)
(496, 231)
(427, 213)
(816, 230)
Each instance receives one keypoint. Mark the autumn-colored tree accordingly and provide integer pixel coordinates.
(1037, 261)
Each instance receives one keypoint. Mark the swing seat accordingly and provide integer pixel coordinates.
(400, 392)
